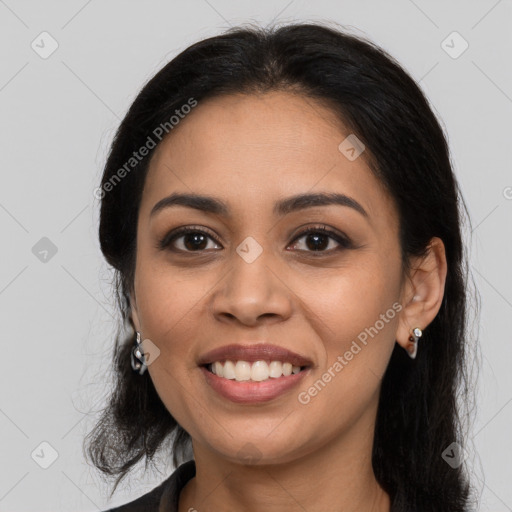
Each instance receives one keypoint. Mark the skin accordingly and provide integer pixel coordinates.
(250, 151)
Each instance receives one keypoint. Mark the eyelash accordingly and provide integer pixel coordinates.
(345, 242)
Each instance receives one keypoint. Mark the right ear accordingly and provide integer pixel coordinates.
(133, 311)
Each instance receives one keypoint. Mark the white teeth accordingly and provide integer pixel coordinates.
(229, 370)
(276, 369)
(242, 370)
(218, 369)
(258, 371)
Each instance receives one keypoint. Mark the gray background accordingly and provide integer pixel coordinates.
(58, 116)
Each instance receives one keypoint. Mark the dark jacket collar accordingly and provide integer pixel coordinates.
(174, 484)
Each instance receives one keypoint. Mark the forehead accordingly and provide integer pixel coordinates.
(253, 149)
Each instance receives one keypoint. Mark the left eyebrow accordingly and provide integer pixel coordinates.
(282, 207)
(302, 201)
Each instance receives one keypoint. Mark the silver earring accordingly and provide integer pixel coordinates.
(412, 347)
(140, 364)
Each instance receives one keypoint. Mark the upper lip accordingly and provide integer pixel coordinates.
(251, 353)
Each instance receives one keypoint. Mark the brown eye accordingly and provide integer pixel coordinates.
(318, 239)
(194, 240)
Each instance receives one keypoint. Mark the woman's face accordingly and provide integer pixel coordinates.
(251, 279)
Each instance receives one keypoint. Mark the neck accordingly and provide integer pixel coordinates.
(335, 476)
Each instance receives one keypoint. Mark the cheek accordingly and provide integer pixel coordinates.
(359, 313)
(359, 289)
(167, 297)
(168, 309)
(166, 306)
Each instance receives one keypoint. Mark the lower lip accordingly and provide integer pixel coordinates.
(250, 392)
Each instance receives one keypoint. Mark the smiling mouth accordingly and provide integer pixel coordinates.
(257, 371)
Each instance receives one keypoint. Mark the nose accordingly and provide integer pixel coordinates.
(251, 292)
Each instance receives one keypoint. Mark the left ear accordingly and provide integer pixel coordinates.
(423, 291)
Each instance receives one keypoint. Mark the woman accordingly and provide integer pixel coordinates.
(285, 226)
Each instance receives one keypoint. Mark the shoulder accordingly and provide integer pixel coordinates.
(167, 493)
